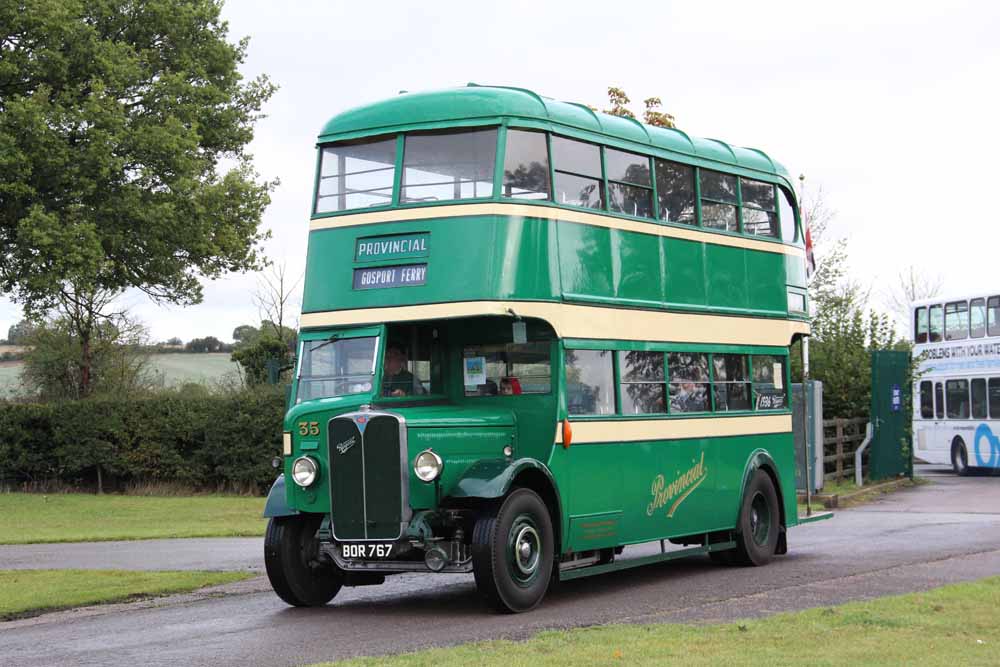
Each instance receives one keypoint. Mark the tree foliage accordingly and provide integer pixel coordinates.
(118, 364)
(116, 121)
(652, 115)
(845, 328)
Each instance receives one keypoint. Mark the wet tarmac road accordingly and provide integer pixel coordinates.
(916, 539)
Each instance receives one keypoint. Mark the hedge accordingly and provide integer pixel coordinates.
(211, 441)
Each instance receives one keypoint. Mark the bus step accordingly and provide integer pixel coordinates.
(640, 560)
(816, 516)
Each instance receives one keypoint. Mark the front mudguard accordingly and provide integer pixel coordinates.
(277, 500)
(492, 478)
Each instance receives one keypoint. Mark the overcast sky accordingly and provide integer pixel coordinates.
(891, 108)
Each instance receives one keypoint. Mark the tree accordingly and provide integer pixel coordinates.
(912, 284)
(19, 333)
(245, 333)
(115, 120)
(651, 116)
(206, 344)
(255, 359)
(273, 298)
(845, 329)
(117, 364)
(174, 342)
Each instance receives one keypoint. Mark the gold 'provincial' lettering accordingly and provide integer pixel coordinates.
(677, 490)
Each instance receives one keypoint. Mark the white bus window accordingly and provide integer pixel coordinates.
(936, 324)
(977, 318)
(979, 398)
(957, 393)
(927, 400)
(993, 316)
(938, 400)
(956, 320)
(994, 398)
(920, 325)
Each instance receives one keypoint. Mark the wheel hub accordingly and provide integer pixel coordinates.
(527, 550)
(760, 520)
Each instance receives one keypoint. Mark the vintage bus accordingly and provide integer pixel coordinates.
(956, 412)
(534, 336)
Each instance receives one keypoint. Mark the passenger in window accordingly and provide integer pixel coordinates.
(691, 397)
(510, 386)
(397, 380)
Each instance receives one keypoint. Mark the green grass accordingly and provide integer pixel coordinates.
(27, 518)
(953, 625)
(31, 592)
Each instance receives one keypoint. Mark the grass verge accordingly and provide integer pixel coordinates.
(27, 518)
(953, 625)
(26, 593)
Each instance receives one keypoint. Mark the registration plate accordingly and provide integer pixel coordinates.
(366, 551)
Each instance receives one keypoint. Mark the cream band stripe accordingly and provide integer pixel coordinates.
(549, 213)
(641, 430)
(576, 321)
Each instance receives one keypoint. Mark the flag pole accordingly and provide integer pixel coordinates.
(805, 357)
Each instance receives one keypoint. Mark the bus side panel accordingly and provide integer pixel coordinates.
(734, 456)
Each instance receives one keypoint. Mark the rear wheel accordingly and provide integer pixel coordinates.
(760, 522)
(959, 458)
(512, 552)
(291, 552)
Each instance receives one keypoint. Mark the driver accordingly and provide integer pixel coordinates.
(397, 381)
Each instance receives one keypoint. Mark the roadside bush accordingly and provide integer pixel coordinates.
(222, 441)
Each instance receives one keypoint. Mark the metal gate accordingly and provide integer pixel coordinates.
(892, 441)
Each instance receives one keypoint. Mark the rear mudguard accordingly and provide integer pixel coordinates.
(277, 501)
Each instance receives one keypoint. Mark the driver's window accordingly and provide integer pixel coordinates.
(412, 365)
(507, 369)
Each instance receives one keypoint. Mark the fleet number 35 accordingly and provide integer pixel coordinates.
(308, 428)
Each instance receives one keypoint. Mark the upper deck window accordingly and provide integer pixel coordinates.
(448, 165)
(356, 175)
(579, 181)
(937, 324)
(920, 325)
(675, 191)
(759, 211)
(786, 210)
(630, 185)
(993, 316)
(718, 201)
(956, 320)
(526, 165)
(977, 318)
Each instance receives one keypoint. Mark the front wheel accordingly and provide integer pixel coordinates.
(512, 553)
(759, 524)
(291, 552)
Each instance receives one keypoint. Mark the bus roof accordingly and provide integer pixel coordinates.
(935, 300)
(481, 105)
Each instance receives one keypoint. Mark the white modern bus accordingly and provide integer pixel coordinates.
(956, 412)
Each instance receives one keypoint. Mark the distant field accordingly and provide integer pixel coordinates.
(175, 369)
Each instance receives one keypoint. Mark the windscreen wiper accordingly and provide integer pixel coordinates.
(332, 339)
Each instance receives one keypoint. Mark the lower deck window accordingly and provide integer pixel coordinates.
(769, 382)
(732, 384)
(927, 399)
(590, 382)
(689, 382)
(957, 399)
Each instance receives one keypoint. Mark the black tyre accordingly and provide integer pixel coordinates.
(512, 552)
(959, 458)
(759, 523)
(290, 558)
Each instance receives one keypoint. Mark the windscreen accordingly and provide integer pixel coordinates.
(336, 367)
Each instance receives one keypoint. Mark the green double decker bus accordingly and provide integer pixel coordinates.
(537, 342)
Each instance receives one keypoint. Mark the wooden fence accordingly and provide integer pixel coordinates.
(841, 439)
